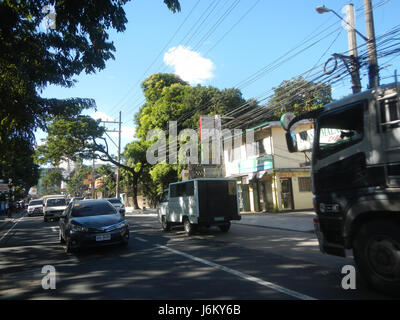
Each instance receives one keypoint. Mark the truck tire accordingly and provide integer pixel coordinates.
(225, 227)
(166, 226)
(189, 227)
(377, 255)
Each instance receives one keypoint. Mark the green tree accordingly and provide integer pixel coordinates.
(75, 184)
(298, 96)
(107, 173)
(31, 58)
(52, 181)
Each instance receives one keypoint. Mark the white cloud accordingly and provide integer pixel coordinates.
(102, 116)
(189, 65)
(126, 131)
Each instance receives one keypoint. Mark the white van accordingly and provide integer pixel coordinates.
(53, 207)
(199, 202)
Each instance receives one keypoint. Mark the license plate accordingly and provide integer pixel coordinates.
(219, 219)
(103, 237)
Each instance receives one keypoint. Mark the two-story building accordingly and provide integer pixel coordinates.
(269, 177)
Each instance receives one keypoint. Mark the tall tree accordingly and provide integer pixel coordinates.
(298, 96)
(32, 57)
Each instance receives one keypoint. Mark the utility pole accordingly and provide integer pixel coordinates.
(373, 71)
(92, 180)
(351, 36)
(119, 156)
(119, 122)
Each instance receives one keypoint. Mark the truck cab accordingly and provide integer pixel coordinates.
(355, 173)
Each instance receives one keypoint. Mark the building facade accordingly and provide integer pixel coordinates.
(269, 177)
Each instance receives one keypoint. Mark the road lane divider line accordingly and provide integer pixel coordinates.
(242, 275)
(19, 220)
(140, 239)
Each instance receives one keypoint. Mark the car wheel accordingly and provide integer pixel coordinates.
(377, 255)
(189, 227)
(69, 248)
(166, 226)
(225, 227)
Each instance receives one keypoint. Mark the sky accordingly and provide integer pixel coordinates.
(252, 45)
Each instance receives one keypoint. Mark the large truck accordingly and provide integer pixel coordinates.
(355, 171)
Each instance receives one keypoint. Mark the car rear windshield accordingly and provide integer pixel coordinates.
(35, 202)
(56, 202)
(92, 209)
(114, 200)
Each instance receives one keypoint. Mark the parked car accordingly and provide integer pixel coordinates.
(35, 207)
(53, 207)
(117, 204)
(91, 223)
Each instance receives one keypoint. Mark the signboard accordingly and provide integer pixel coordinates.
(305, 139)
(261, 163)
(3, 187)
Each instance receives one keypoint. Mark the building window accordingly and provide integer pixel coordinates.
(304, 184)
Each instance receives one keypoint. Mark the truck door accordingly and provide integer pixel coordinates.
(390, 136)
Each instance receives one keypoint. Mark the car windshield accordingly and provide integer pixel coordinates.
(114, 200)
(85, 209)
(56, 202)
(35, 202)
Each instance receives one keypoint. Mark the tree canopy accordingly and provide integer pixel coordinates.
(33, 57)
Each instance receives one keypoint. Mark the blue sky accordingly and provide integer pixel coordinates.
(236, 40)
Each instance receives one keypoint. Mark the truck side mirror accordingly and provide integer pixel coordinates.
(291, 142)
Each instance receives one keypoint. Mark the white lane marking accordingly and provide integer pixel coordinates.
(259, 281)
(140, 239)
(19, 220)
(54, 229)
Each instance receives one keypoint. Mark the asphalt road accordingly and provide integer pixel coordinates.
(248, 262)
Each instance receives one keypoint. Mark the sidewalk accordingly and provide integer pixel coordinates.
(294, 220)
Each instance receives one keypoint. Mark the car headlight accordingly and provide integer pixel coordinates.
(78, 228)
(122, 224)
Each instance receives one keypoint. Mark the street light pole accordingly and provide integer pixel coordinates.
(352, 42)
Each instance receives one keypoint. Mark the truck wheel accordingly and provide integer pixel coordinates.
(189, 228)
(166, 226)
(377, 255)
(225, 227)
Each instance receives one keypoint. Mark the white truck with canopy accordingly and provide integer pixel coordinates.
(199, 202)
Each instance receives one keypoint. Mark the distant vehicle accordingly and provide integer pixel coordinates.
(35, 207)
(91, 223)
(75, 199)
(117, 204)
(199, 202)
(53, 207)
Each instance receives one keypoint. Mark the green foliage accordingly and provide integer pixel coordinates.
(52, 182)
(75, 185)
(107, 172)
(298, 96)
(31, 58)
